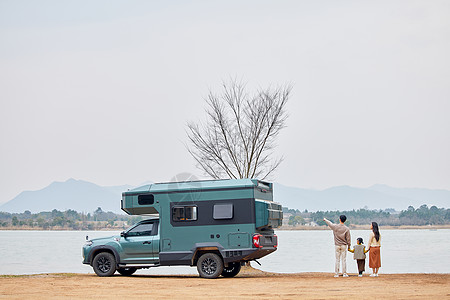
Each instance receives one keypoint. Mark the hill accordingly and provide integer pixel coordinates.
(84, 196)
(73, 194)
(348, 198)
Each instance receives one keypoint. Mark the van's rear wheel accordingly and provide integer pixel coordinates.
(232, 269)
(126, 271)
(104, 264)
(210, 265)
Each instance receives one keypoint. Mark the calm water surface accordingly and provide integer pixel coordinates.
(403, 251)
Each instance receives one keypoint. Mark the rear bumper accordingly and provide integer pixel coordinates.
(246, 254)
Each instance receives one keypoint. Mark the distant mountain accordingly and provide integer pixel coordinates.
(73, 194)
(85, 196)
(348, 198)
(440, 198)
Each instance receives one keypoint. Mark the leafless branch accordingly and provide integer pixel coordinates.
(238, 138)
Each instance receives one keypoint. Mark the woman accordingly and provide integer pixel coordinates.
(374, 247)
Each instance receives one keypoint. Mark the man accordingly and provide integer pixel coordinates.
(342, 243)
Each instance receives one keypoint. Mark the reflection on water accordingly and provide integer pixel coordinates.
(403, 251)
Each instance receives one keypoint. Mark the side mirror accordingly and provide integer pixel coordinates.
(123, 234)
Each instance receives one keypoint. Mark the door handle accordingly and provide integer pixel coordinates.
(147, 242)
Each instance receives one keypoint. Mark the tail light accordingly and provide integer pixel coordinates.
(276, 241)
(256, 241)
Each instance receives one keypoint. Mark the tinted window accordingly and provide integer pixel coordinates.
(184, 213)
(223, 211)
(142, 229)
(146, 199)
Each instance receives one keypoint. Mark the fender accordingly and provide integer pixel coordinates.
(206, 247)
(99, 248)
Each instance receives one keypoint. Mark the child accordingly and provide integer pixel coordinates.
(359, 253)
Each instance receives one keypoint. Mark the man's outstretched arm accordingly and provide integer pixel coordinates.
(329, 223)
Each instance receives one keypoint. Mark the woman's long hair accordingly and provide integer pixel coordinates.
(375, 230)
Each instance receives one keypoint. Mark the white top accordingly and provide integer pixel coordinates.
(373, 242)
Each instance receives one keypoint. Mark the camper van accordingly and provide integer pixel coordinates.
(215, 225)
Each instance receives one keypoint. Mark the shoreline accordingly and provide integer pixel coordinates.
(366, 227)
(282, 228)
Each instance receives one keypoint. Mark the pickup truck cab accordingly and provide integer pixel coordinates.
(214, 225)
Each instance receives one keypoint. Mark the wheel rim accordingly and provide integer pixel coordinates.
(104, 264)
(209, 266)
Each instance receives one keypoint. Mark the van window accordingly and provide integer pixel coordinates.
(141, 229)
(223, 211)
(148, 199)
(184, 213)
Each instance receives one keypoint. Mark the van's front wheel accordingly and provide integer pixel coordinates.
(104, 264)
(232, 269)
(210, 265)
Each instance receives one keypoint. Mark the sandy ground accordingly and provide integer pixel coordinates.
(249, 284)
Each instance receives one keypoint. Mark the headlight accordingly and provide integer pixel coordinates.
(88, 243)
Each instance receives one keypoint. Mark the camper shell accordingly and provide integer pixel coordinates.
(231, 220)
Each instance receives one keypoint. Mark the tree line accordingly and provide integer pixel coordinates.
(99, 219)
(423, 215)
(69, 220)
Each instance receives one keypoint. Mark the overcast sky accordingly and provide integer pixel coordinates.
(102, 90)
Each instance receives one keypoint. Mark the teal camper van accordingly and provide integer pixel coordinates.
(216, 225)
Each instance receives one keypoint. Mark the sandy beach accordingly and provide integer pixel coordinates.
(249, 284)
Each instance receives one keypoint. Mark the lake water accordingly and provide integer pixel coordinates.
(403, 251)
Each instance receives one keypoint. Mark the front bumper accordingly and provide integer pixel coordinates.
(86, 250)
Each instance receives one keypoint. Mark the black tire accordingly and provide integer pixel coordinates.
(210, 265)
(126, 271)
(232, 269)
(104, 264)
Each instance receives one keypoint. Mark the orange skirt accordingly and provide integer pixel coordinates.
(374, 257)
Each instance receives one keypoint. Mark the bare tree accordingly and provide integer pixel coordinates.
(238, 138)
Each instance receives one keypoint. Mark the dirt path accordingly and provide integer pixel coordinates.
(247, 285)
